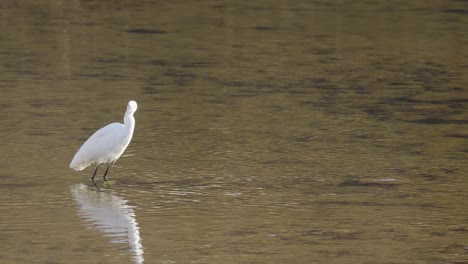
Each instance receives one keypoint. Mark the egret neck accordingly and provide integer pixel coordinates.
(129, 122)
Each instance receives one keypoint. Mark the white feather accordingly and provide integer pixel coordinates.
(108, 143)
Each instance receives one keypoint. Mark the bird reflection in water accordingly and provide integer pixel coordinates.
(111, 215)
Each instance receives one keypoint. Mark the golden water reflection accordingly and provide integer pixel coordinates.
(267, 131)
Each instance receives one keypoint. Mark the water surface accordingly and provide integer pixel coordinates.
(285, 132)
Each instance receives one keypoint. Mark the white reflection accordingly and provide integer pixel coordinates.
(111, 215)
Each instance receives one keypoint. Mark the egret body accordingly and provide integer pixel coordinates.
(107, 144)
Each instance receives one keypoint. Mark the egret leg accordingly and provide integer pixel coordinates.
(94, 174)
(105, 173)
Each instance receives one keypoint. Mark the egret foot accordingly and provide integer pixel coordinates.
(105, 173)
(94, 174)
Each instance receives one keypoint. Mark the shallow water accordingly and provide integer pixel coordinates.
(305, 132)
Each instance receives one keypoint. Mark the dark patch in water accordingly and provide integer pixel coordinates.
(236, 84)
(215, 101)
(349, 203)
(263, 28)
(239, 95)
(457, 136)
(242, 233)
(180, 74)
(149, 90)
(411, 100)
(145, 31)
(333, 234)
(438, 121)
(328, 60)
(4, 106)
(197, 64)
(322, 51)
(397, 83)
(459, 228)
(357, 183)
(162, 63)
(375, 111)
(449, 170)
(456, 11)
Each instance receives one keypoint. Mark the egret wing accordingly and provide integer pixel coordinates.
(99, 147)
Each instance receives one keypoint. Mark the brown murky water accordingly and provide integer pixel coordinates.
(267, 131)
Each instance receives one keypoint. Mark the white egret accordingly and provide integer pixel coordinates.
(107, 144)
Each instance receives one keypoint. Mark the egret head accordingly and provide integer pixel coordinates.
(132, 107)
